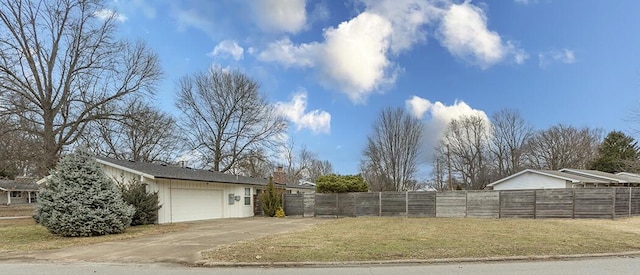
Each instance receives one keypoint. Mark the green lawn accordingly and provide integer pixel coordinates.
(25, 235)
(363, 239)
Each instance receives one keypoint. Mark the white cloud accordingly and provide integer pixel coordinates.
(317, 121)
(565, 56)
(105, 14)
(352, 58)
(464, 33)
(280, 15)
(437, 116)
(228, 47)
(418, 106)
(408, 19)
(286, 53)
(356, 57)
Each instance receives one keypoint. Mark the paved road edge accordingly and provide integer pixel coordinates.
(419, 261)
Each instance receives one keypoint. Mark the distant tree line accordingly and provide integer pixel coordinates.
(475, 151)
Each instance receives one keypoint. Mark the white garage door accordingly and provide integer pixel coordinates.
(195, 204)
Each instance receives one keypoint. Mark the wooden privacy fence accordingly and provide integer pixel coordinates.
(574, 203)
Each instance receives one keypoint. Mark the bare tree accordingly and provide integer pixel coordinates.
(563, 146)
(256, 163)
(141, 134)
(377, 180)
(392, 150)
(466, 141)
(510, 136)
(16, 149)
(304, 164)
(225, 117)
(60, 65)
(439, 172)
(319, 168)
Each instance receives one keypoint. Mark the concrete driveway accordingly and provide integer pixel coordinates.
(182, 247)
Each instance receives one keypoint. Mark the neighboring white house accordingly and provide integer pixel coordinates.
(301, 188)
(564, 178)
(619, 180)
(187, 194)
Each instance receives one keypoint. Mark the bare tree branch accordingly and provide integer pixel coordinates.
(60, 65)
(391, 153)
(225, 117)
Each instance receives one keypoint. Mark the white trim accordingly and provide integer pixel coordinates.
(535, 172)
(125, 169)
(565, 170)
(627, 174)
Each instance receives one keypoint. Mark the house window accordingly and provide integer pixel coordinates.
(247, 196)
(16, 194)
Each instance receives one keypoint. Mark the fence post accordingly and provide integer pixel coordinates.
(435, 204)
(406, 203)
(629, 201)
(380, 204)
(355, 204)
(499, 204)
(466, 203)
(573, 213)
(613, 208)
(337, 207)
(535, 204)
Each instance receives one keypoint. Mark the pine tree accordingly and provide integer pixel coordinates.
(617, 153)
(270, 199)
(79, 200)
(146, 203)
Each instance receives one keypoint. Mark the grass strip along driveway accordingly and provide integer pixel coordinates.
(370, 239)
(21, 235)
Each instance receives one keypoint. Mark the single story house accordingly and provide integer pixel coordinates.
(563, 178)
(187, 194)
(612, 180)
(280, 180)
(19, 191)
(300, 188)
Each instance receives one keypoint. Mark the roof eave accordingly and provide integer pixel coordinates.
(125, 168)
(593, 175)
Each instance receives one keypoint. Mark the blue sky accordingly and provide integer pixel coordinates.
(331, 66)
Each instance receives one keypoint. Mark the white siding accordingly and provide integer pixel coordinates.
(164, 187)
(235, 210)
(532, 181)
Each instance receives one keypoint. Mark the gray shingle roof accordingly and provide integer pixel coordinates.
(161, 171)
(12, 185)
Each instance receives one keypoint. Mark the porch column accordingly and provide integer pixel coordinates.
(8, 197)
(29, 196)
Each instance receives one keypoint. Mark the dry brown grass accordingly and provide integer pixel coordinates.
(26, 235)
(361, 239)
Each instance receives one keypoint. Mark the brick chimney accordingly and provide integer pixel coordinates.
(278, 176)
